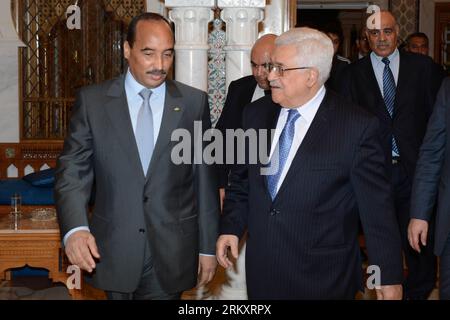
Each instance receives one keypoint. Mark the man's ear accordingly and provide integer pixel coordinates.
(313, 77)
(126, 50)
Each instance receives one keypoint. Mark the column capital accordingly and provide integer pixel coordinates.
(191, 3)
(241, 3)
(8, 34)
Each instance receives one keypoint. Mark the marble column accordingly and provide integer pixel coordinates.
(191, 20)
(9, 80)
(156, 6)
(241, 18)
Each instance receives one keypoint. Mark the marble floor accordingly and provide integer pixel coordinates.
(40, 288)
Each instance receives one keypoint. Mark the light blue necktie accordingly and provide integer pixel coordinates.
(144, 130)
(284, 145)
(389, 89)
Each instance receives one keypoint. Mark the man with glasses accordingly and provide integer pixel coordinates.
(400, 89)
(243, 91)
(299, 209)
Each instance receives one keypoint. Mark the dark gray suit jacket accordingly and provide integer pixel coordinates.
(175, 207)
(433, 171)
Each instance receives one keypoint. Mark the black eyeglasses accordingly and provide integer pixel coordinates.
(266, 65)
(279, 70)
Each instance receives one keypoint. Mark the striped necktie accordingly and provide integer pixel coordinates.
(389, 89)
(284, 145)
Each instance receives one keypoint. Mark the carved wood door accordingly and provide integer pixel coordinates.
(57, 61)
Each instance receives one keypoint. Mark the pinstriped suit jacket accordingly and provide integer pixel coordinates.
(304, 244)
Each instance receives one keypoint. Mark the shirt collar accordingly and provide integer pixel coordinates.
(134, 87)
(391, 57)
(309, 109)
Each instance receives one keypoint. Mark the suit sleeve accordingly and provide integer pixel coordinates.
(435, 74)
(74, 171)
(431, 159)
(376, 207)
(226, 117)
(235, 206)
(207, 193)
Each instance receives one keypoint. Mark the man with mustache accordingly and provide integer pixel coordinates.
(154, 225)
(400, 89)
(325, 161)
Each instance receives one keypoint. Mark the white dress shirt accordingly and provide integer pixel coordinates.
(307, 113)
(258, 93)
(378, 67)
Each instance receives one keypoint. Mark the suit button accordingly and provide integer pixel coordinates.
(274, 212)
(142, 230)
(146, 199)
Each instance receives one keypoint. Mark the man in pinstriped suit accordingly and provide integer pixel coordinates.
(302, 222)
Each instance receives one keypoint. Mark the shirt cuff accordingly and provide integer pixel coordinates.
(207, 255)
(68, 234)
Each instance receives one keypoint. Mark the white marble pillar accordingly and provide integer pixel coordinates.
(241, 18)
(276, 17)
(191, 20)
(9, 79)
(156, 6)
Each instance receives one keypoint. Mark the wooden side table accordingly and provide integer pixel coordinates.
(33, 243)
(37, 244)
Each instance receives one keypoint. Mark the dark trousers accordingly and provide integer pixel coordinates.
(148, 288)
(444, 275)
(421, 277)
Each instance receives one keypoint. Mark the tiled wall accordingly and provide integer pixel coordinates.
(406, 12)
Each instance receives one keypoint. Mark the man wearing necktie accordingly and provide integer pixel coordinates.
(301, 209)
(400, 89)
(242, 92)
(154, 224)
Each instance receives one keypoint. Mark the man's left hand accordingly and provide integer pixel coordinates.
(206, 269)
(392, 292)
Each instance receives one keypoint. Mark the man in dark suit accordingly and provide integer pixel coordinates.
(154, 224)
(243, 91)
(430, 184)
(400, 89)
(301, 219)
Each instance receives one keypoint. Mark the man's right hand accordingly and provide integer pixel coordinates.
(224, 242)
(81, 250)
(417, 230)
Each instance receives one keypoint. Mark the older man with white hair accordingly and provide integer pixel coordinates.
(302, 218)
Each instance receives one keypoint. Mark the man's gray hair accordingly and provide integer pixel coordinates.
(314, 49)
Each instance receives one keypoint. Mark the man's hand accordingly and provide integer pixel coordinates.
(392, 292)
(206, 269)
(223, 243)
(81, 250)
(417, 229)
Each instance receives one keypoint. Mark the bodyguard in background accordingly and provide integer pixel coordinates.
(400, 89)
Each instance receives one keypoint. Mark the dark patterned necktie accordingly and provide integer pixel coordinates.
(389, 89)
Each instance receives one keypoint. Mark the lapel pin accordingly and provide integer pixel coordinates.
(176, 109)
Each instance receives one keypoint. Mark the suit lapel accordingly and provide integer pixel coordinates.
(119, 116)
(403, 79)
(173, 111)
(270, 124)
(369, 79)
(311, 139)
